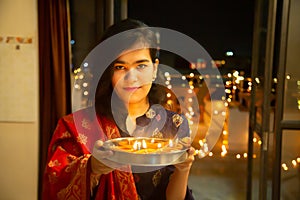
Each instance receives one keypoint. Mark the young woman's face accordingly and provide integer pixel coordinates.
(133, 73)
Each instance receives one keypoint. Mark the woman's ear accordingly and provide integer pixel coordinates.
(155, 67)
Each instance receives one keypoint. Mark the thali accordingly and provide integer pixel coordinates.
(144, 151)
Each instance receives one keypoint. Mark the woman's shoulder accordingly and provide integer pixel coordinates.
(85, 114)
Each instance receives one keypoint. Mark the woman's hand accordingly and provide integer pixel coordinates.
(179, 179)
(99, 163)
(186, 165)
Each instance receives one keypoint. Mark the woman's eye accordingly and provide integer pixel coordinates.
(142, 66)
(119, 67)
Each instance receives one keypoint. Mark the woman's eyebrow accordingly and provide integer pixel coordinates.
(142, 61)
(136, 62)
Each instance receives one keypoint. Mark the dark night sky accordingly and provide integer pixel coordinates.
(217, 25)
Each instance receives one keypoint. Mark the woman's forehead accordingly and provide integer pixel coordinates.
(134, 54)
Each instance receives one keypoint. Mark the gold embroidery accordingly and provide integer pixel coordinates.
(71, 157)
(156, 178)
(52, 178)
(54, 163)
(111, 132)
(150, 113)
(157, 134)
(65, 135)
(86, 124)
(124, 179)
(77, 187)
(82, 138)
(72, 161)
(177, 120)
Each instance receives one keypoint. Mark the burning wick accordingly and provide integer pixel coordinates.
(144, 145)
(159, 145)
(170, 143)
(137, 145)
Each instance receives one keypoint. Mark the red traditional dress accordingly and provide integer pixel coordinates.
(67, 174)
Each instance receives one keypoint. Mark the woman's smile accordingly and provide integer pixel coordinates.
(131, 89)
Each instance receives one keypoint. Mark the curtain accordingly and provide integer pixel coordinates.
(54, 71)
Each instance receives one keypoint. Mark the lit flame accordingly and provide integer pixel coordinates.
(137, 145)
(170, 143)
(159, 145)
(144, 145)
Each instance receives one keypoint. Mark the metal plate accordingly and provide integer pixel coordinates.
(126, 152)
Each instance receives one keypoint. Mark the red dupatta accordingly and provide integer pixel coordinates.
(117, 185)
(67, 174)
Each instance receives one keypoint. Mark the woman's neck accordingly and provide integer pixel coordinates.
(138, 109)
(134, 111)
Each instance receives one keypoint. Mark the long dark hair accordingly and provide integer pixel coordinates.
(141, 33)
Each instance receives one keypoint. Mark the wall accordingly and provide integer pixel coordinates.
(18, 99)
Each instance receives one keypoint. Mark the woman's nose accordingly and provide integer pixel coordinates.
(131, 75)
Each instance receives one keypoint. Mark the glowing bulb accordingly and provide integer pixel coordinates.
(257, 80)
(284, 166)
(229, 53)
(223, 153)
(224, 148)
(294, 162)
(201, 143)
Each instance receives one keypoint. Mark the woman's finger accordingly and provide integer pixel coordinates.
(99, 152)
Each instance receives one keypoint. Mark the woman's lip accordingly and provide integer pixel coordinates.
(131, 88)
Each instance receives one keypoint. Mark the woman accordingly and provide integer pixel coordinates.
(126, 104)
